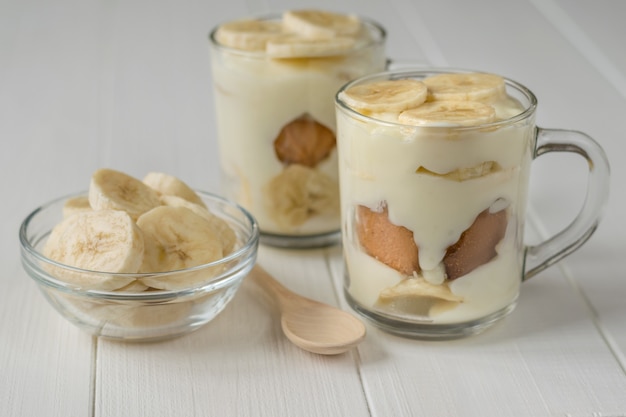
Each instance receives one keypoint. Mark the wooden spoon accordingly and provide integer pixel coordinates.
(313, 326)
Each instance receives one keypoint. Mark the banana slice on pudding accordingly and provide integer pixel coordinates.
(385, 96)
(465, 86)
(318, 24)
(248, 34)
(449, 113)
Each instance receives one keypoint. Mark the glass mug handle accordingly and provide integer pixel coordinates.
(541, 256)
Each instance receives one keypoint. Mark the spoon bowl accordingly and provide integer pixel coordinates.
(313, 326)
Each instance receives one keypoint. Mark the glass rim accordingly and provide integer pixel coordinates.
(382, 37)
(36, 258)
(412, 72)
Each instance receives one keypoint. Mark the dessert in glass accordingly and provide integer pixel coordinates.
(434, 170)
(274, 80)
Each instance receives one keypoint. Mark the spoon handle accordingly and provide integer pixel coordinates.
(275, 289)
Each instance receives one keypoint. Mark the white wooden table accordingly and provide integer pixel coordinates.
(126, 85)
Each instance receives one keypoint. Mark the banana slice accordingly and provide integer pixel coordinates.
(419, 287)
(319, 24)
(103, 241)
(468, 173)
(476, 171)
(449, 113)
(170, 185)
(299, 193)
(114, 190)
(222, 229)
(472, 86)
(76, 205)
(135, 286)
(386, 96)
(248, 34)
(298, 46)
(177, 238)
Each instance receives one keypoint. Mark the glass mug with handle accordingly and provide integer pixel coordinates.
(434, 170)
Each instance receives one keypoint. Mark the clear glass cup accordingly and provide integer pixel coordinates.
(433, 216)
(260, 103)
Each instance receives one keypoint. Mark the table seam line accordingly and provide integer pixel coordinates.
(92, 377)
(605, 334)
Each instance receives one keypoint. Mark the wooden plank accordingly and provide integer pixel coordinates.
(599, 280)
(46, 126)
(545, 358)
(45, 360)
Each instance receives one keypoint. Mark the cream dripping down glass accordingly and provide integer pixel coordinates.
(434, 173)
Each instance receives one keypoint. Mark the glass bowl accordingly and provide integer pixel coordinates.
(140, 314)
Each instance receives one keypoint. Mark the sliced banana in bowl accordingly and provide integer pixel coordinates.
(169, 185)
(114, 190)
(108, 272)
(107, 242)
(178, 239)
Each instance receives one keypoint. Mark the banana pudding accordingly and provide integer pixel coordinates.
(274, 82)
(433, 175)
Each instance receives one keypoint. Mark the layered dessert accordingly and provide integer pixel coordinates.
(434, 171)
(275, 81)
